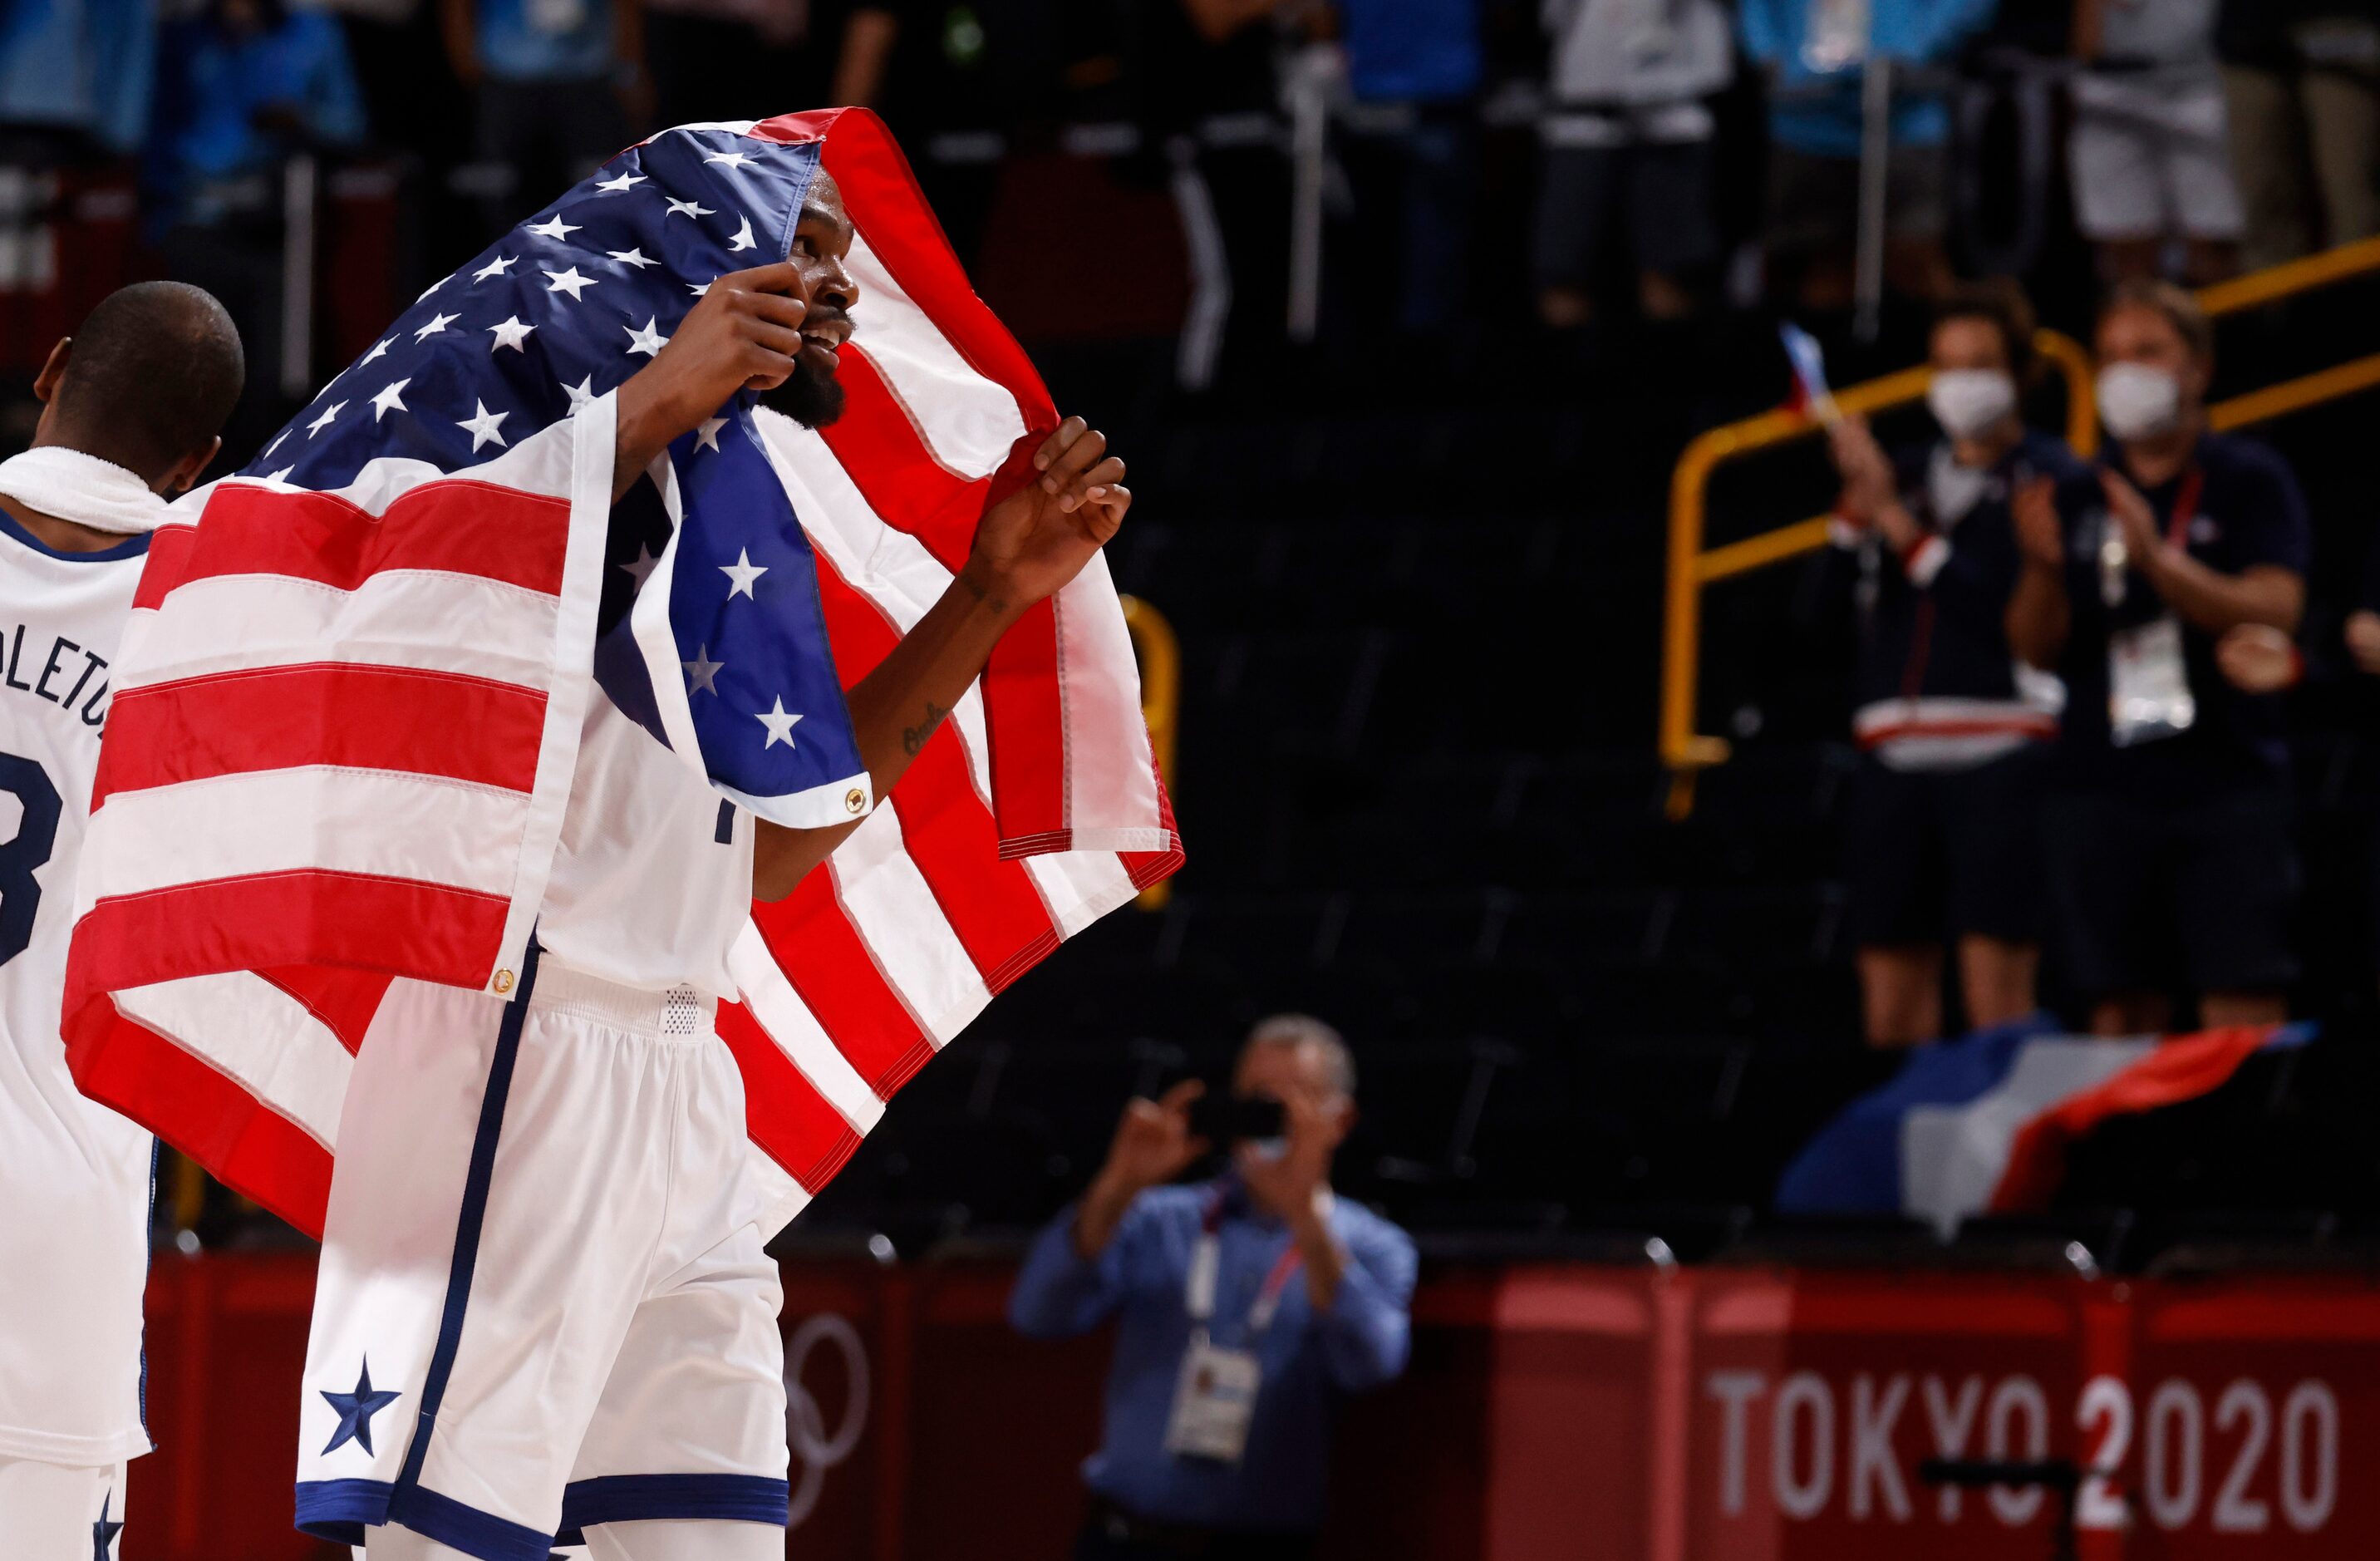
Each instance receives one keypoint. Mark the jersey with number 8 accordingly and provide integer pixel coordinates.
(74, 1176)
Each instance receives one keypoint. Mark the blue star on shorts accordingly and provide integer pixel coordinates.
(103, 1532)
(356, 1411)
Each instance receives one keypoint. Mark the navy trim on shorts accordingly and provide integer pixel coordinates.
(340, 1510)
(629, 1498)
(337, 1509)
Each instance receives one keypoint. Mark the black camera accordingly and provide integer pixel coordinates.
(1223, 1119)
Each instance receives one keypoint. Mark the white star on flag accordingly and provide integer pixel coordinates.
(378, 347)
(647, 341)
(569, 282)
(732, 159)
(580, 395)
(496, 267)
(780, 725)
(275, 444)
(697, 289)
(438, 323)
(742, 573)
(640, 567)
(553, 230)
(742, 239)
(324, 421)
(684, 208)
(388, 400)
(635, 257)
(510, 332)
(702, 672)
(483, 424)
(280, 476)
(706, 437)
(619, 186)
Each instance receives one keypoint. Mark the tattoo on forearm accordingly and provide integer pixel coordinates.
(976, 590)
(913, 737)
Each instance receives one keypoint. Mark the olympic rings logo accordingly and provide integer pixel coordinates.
(806, 1430)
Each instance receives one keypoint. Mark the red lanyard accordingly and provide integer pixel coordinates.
(2185, 506)
(1206, 1260)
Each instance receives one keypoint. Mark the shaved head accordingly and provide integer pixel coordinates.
(148, 380)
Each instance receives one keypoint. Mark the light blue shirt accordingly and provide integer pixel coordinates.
(80, 64)
(1818, 112)
(546, 40)
(1310, 1358)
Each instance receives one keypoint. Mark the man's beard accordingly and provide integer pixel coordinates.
(808, 396)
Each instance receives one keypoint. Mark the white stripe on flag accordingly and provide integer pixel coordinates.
(256, 1035)
(968, 423)
(428, 829)
(400, 618)
(780, 1011)
(897, 916)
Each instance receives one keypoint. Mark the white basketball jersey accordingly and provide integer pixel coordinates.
(74, 1175)
(653, 879)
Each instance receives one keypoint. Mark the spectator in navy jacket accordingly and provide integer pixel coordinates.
(2172, 863)
(1220, 1396)
(1951, 728)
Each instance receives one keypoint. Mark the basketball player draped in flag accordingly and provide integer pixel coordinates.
(590, 1347)
(132, 401)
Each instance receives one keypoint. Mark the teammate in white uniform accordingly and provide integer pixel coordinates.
(543, 1310)
(134, 399)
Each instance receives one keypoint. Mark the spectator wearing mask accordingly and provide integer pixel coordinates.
(2301, 80)
(2172, 866)
(561, 86)
(1816, 53)
(2150, 155)
(1246, 1306)
(1952, 728)
(1628, 150)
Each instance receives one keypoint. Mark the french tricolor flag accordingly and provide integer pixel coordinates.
(1981, 1125)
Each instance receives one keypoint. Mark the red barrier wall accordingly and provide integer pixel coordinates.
(1551, 1413)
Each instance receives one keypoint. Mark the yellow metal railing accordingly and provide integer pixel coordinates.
(1160, 702)
(1693, 567)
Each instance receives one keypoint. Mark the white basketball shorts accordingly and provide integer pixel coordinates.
(542, 1304)
(53, 1510)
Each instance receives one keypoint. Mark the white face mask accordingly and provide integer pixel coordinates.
(1951, 489)
(2137, 401)
(1968, 401)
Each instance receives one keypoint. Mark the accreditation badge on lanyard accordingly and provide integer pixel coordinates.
(2148, 679)
(1215, 1398)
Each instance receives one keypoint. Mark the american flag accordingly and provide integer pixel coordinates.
(346, 706)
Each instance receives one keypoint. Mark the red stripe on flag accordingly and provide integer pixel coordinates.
(345, 1001)
(460, 526)
(2180, 1069)
(783, 1112)
(246, 1146)
(268, 920)
(993, 906)
(405, 719)
(1150, 867)
(811, 938)
(891, 464)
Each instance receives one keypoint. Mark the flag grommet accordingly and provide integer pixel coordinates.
(855, 802)
(503, 983)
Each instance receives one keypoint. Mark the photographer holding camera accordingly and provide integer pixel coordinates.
(1244, 1305)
